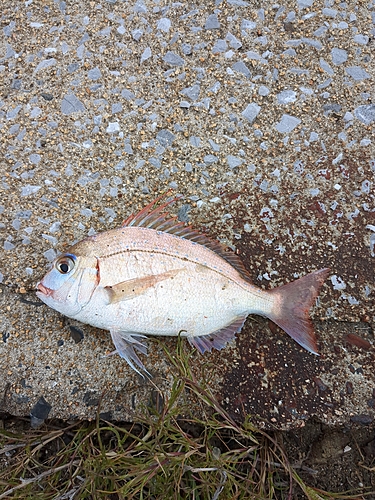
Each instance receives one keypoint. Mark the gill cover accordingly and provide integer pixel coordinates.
(72, 281)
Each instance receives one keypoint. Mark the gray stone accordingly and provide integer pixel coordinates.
(365, 113)
(215, 87)
(128, 149)
(72, 67)
(29, 189)
(329, 12)
(251, 111)
(80, 51)
(263, 90)
(320, 31)
(50, 254)
(47, 96)
(39, 412)
(290, 52)
(280, 12)
(336, 108)
(357, 73)
(241, 68)
(248, 25)
(71, 104)
(21, 135)
(146, 54)
(98, 119)
(233, 41)
(140, 7)
(35, 158)
(234, 161)
(191, 92)
(154, 161)
(286, 97)
(8, 245)
(238, 3)
(16, 84)
(164, 24)
(295, 42)
(312, 43)
(47, 63)
(326, 67)
(210, 159)
(120, 165)
(253, 55)
(127, 94)
(195, 141)
(325, 84)
(86, 212)
(136, 34)
(10, 52)
(339, 56)
(213, 145)
(219, 47)
(205, 103)
(9, 29)
(212, 22)
(186, 49)
(183, 212)
(113, 127)
(104, 32)
(165, 138)
(94, 74)
(304, 4)
(361, 39)
(287, 124)
(173, 59)
(12, 113)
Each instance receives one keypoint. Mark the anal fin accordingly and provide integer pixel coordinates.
(125, 344)
(219, 338)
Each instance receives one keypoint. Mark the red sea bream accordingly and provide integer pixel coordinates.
(156, 276)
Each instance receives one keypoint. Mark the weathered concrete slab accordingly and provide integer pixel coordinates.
(263, 374)
(261, 117)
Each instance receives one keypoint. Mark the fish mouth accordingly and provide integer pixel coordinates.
(42, 290)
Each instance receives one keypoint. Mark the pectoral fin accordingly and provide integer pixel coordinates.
(130, 289)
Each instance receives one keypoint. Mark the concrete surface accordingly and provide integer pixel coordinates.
(261, 115)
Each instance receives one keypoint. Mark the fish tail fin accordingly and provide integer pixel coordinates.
(292, 304)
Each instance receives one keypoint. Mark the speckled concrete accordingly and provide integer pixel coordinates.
(262, 117)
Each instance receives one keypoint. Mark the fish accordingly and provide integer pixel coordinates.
(155, 275)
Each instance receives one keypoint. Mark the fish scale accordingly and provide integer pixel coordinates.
(156, 276)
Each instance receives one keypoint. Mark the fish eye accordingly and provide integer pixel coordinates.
(65, 264)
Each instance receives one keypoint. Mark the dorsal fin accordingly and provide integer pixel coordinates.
(153, 217)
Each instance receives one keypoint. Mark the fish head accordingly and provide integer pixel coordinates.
(69, 284)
